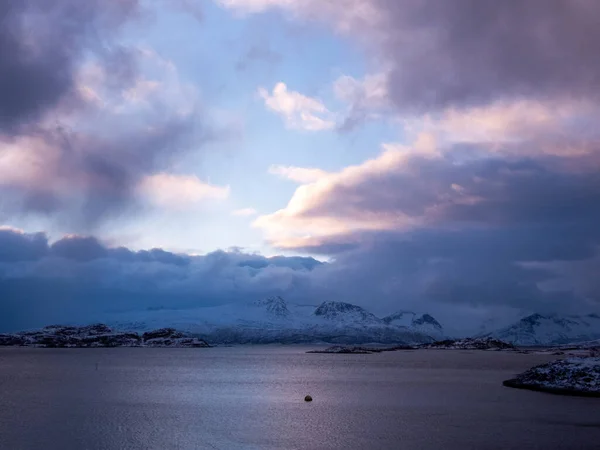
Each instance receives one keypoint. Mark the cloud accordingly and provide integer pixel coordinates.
(72, 171)
(179, 191)
(78, 278)
(368, 98)
(470, 53)
(489, 211)
(407, 188)
(15, 245)
(42, 45)
(84, 178)
(316, 210)
(343, 14)
(81, 279)
(299, 111)
(244, 212)
(298, 174)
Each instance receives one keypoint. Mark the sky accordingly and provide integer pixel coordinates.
(397, 154)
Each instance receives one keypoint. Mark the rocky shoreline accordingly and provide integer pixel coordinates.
(459, 344)
(98, 336)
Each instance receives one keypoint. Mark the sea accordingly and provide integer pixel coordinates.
(252, 397)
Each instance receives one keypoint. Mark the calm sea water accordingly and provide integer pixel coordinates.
(252, 398)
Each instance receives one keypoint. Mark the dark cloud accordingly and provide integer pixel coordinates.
(101, 172)
(92, 169)
(488, 190)
(479, 221)
(79, 248)
(471, 52)
(292, 262)
(16, 246)
(456, 275)
(41, 43)
(78, 278)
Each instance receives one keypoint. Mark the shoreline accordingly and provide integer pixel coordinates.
(516, 384)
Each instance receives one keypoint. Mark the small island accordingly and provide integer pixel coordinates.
(98, 335)
(571, 376)
(486, 343)
(362, 350)
(460, 344)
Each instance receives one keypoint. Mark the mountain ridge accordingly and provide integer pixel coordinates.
(551, 329)
(273, 319)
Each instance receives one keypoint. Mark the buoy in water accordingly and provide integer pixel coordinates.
(308, 398)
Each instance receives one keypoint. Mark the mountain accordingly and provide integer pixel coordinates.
(274, 320)
(425, 323)
(275, 307)
(346, 313)
(553, 329)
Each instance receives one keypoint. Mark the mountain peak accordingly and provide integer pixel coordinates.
(341, 311)
(274, 305)
(552, 329)
(532, 319)
(426, 319)
(401, 318)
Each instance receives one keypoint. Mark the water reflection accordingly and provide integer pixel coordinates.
(253, 398)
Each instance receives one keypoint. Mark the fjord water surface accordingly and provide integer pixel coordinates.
(252, 397)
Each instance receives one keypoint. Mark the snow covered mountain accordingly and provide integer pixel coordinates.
(273, 320)
(346, 313)
(425, 323)
(276, 307)
(537, 329)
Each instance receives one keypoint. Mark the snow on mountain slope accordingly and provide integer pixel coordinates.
(537, 329)
(275, 306)
(274, 320)
(341, 313)
(425, 323)
(400, 318)
(428, 325)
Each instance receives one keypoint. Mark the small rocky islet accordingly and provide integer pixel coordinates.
(569, 376)
(98, 336)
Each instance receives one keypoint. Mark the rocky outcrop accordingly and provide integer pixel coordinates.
(471, 344)
(98, 335)
(572, 376)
